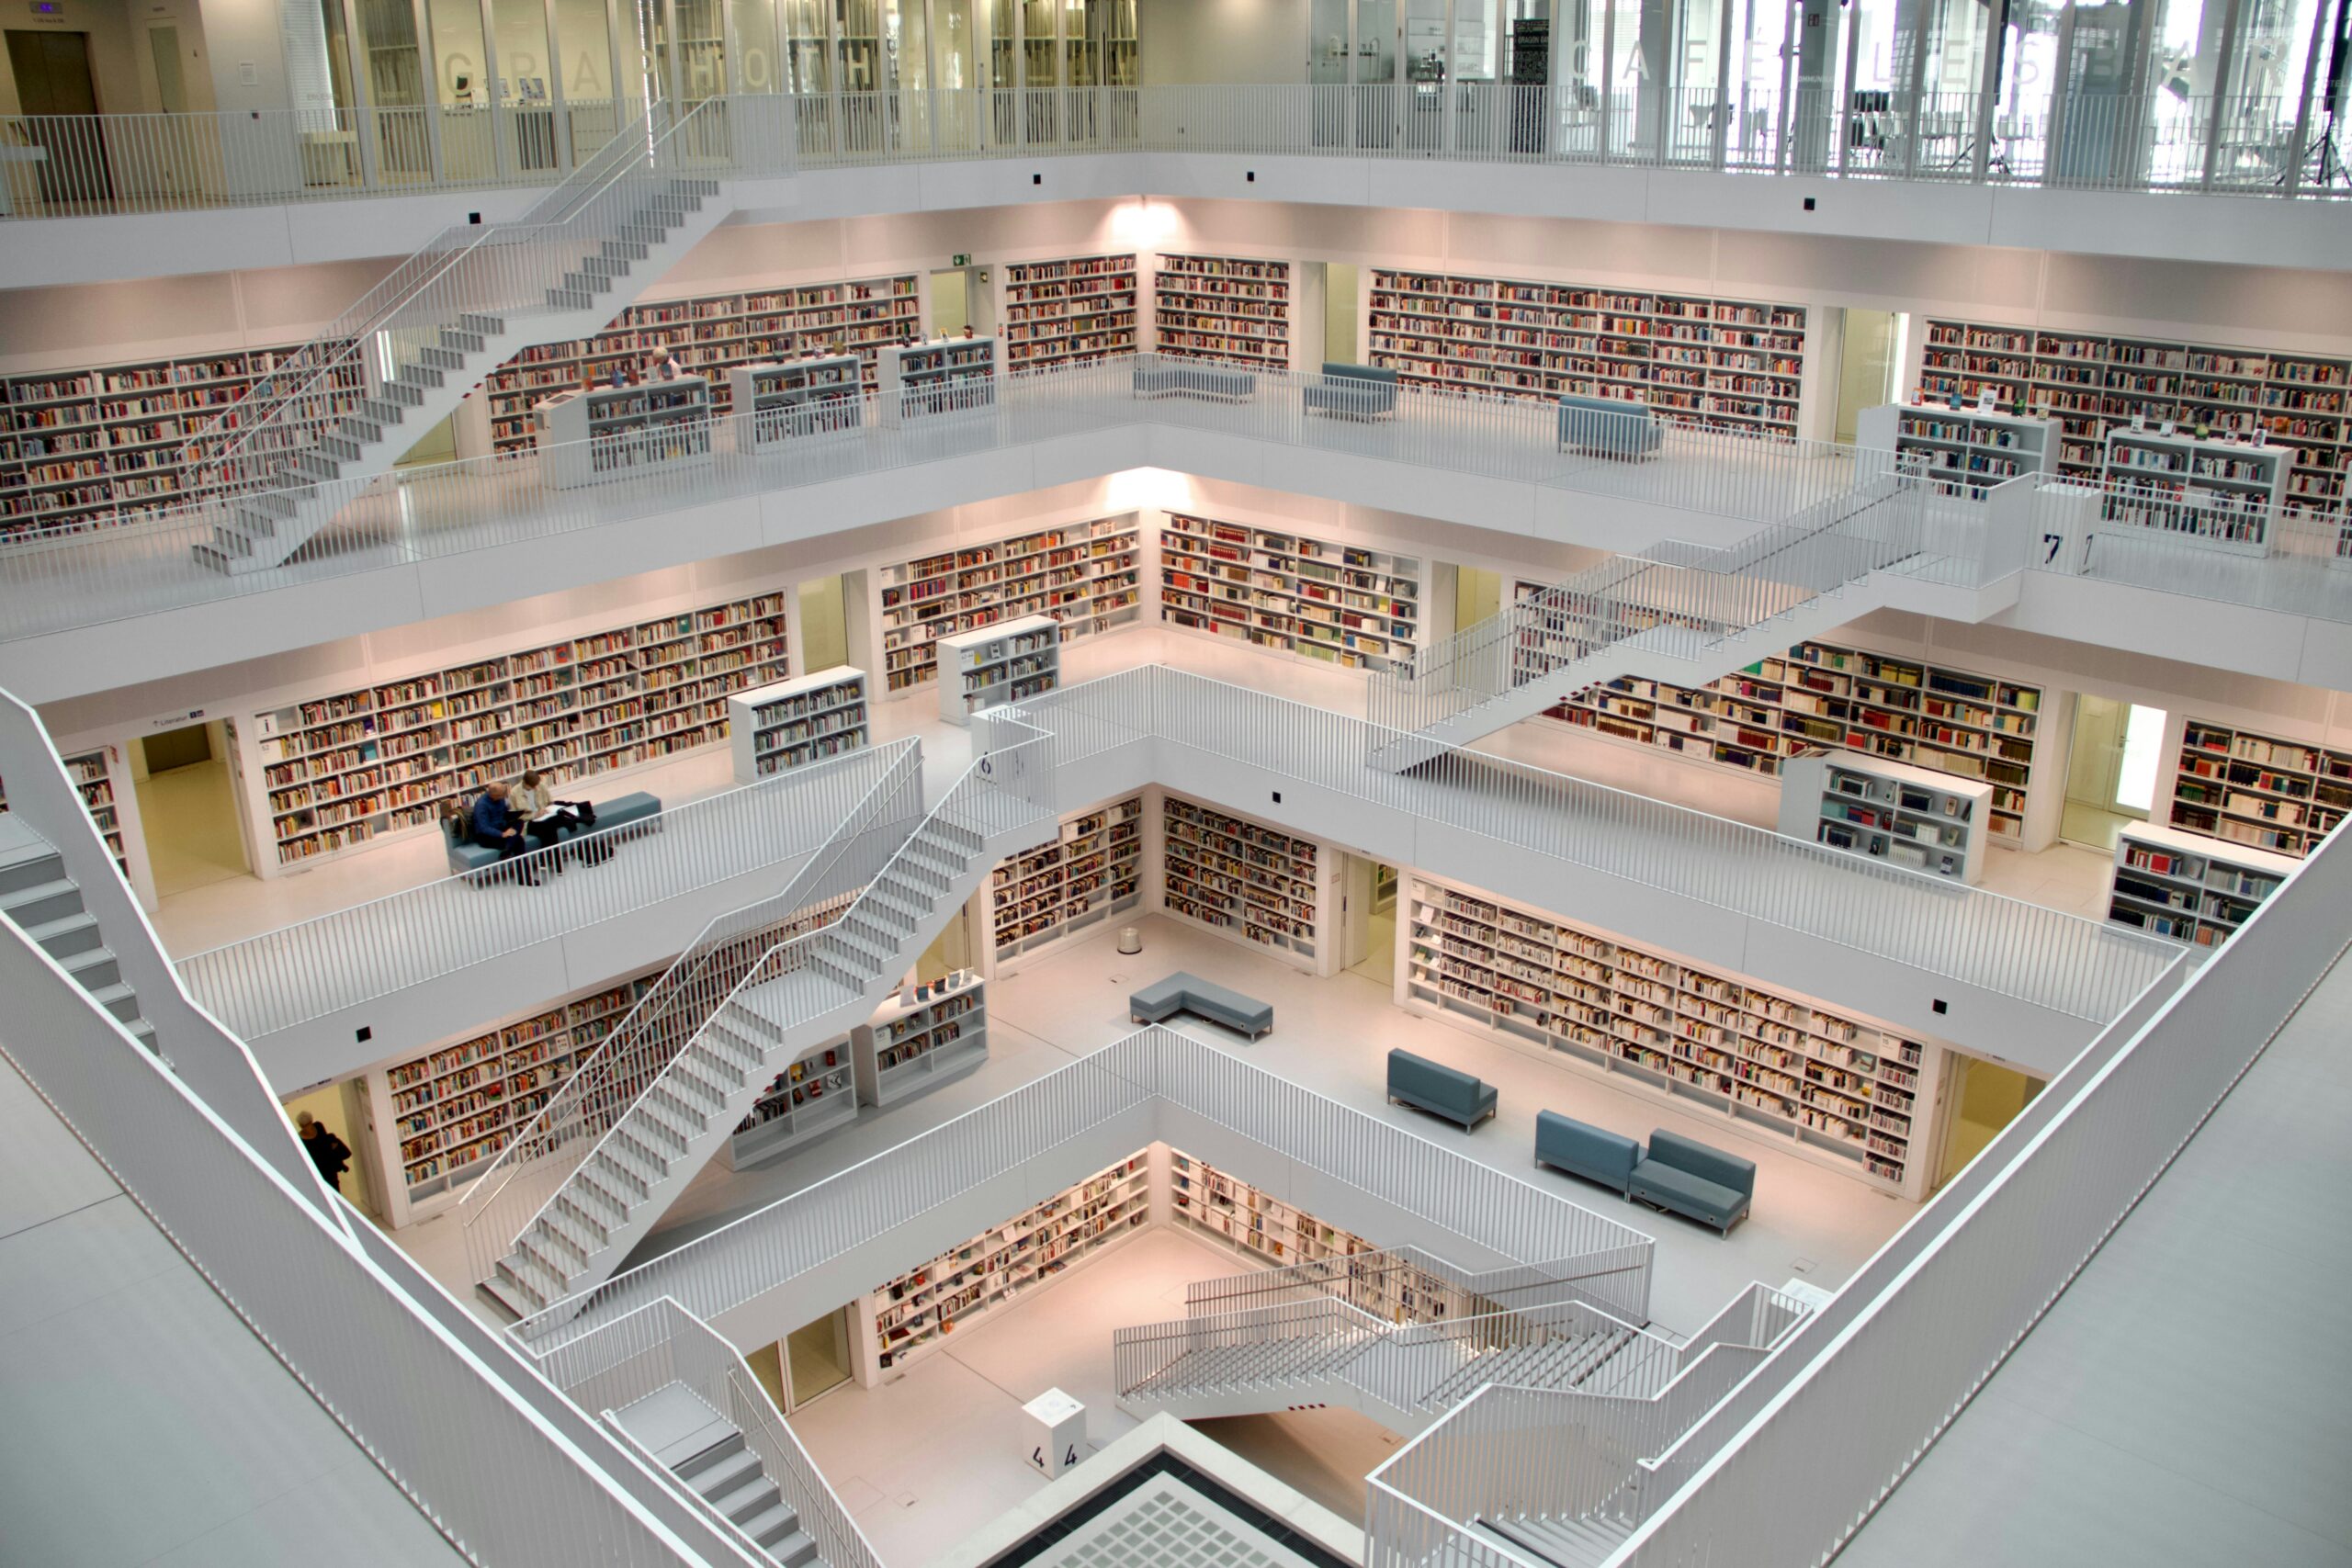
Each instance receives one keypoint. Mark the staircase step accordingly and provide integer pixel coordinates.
(481, 325)
(42, 902)
(722, 1469)
(93, 968)
(66, 935)
(749, 1500)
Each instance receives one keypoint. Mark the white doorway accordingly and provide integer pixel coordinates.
(187, 808)
(2110, 768)
(163, 53)
(1869, 365)
(1368, 923)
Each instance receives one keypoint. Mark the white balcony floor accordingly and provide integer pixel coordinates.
(2182, 1404)
(145, 1424)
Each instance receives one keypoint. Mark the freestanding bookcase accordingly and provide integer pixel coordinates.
(775, 729)
(1964, 452)
(2187, 886)
(929, 1034)
(1002, 663)
(927, 380)
(774, 405)
(607, 433)
(1919, 819)
(2219, 494)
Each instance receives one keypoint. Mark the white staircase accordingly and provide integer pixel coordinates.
(40, 900)
(1676, 613)
(1584, 1543)
(683, 1102)
(301, 445)
(708, 1455)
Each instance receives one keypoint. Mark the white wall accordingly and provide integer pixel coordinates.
(1222, 41)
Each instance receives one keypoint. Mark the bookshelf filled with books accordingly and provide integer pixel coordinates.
(603, 435)
(930, 1033)
(90, 446)
(1085, 575)
(2219, 494)
(1964, 452)
(926, 381)
(1344, 604)
(2261, 791)
(1819, 694)
(1265, 1227)
(815, 1094)
(776, 403)
(340, 771)
(1008, 663)
(2091, 382)
(94, 781)
(790, 724)
(2189, 886)
(1091, 871)
(708, 334)
(1232, 308)
(1888, 812)
(904, 1319)
(1069, 311)
(1737, 364)
(1841, 1089)
(1241, 878)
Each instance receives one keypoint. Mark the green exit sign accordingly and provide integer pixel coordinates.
(961, 258)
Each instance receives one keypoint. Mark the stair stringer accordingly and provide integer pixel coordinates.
(258, 531)
(600, 1263)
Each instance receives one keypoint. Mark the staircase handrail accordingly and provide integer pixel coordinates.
(641, 147)
(1142, 1351)
(582, 1107)
(1463, 1288)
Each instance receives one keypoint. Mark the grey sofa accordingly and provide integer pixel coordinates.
(1353, 391)
(1609, 427)
(627, 810)
(1193, 379)
(1189, 993)
(1581, 1149)
(1439, 1090)
(1685, 1176)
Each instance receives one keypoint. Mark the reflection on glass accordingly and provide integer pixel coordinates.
(702, 49)
(759, 66)
(804, 27)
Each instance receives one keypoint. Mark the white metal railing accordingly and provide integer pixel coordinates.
(69, 165)
(462, 1444)
(660, 1343)
(1793, 1465)
(316, 967)
(1432, 1287)
(768, 1249)
(535, 1162)
(2296, 560)
(2059, 961)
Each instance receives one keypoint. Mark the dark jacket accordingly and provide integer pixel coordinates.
(491, 819)
(329, 1153)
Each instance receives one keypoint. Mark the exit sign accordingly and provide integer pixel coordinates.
(961, 258)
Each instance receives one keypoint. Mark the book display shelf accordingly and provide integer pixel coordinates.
(790, 724)
(342, 770)
(456, 1107)
(927, 1034)
(1091, 871)
(1841, 1087)
(1262, 1225)
(1068, 312)
(710, 334)
(777, 405)
(1887, 812)
(91, 446)
(2090, 382)
(1232, 308)
(904, 1319)
(1341, 604)
(1733, 364)
(2220, 494)
(1237, 876)
(1818, 695)
(94, 781)
(1964, 452)
(618, 433)
(815, 1094)
(926, 381)
(1085, 575)
(2187, 886)
(2258, 790)
(1008, 663)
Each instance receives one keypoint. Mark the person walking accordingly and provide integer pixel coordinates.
(329, 1153)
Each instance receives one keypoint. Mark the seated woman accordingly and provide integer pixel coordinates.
(535, 801)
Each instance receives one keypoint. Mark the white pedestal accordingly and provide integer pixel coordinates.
(1060, 1438)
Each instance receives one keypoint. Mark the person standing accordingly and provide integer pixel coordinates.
(496, 827)
(329, 1153)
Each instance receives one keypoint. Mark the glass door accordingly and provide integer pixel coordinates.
(956, 74)
(1004, 70)
(1374, 90)
(1331, 31)
(525, 95)
(2110, 768)
(397, 91)
(1427, 63)
(815, 1358)
(861, 75)
(1040, 72)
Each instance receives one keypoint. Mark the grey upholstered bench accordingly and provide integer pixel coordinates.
(1439, 1090)
(1581, 1149)
(1194, 379)
(1189, 993)
(1686, 1177)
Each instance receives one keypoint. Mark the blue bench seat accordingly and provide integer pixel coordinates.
(1353, 391)
(1439, 1090)
(638, 810)
(1189, 993)
(1609, 427)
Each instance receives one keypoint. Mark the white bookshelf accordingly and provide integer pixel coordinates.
(1344, 604)
(902, 1320)
(927, 380)
(2261, 791)
(1091, 871)
(775, 404)
(94, 781)
(2219, 494)
(1266, 1228)
(1964, 452)
(1935, 717)
(2187, 886)
(342, 770)
(1007, 662)
(1842, 1090)
(1888, 812)
(1086, 575)
(1738, 363)
(927, 1034)
(1231, 308)
(790, 724)
(602, 434)
(1239, 877)
(1069, 311)
(709, 334)
(816, 1093)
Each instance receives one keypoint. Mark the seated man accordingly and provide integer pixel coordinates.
(496, 827)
